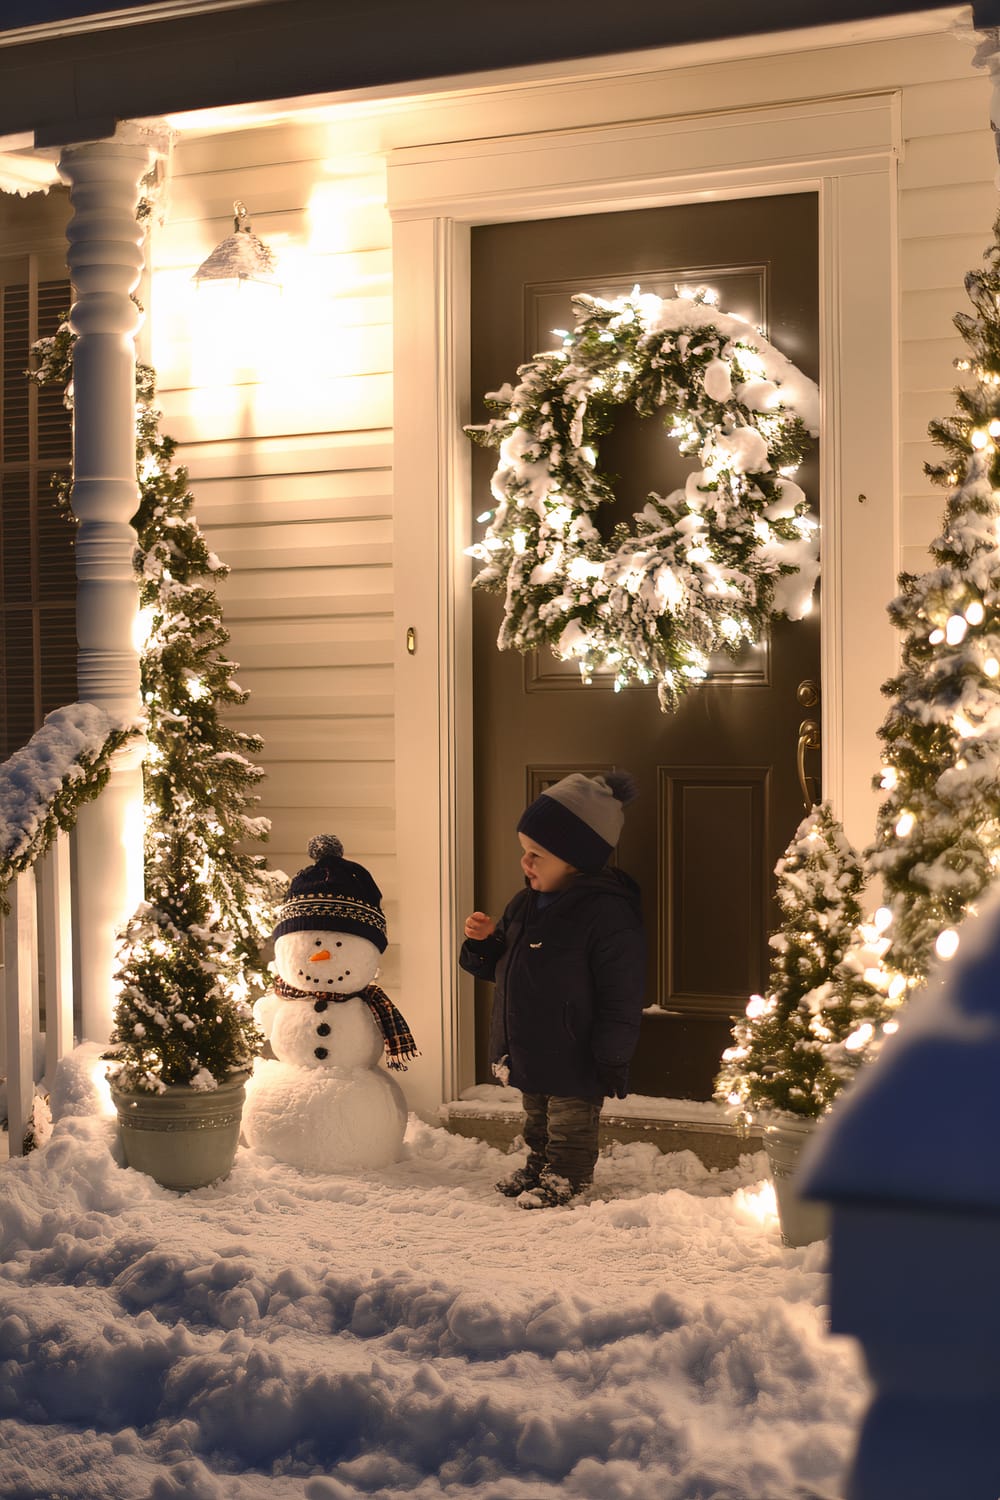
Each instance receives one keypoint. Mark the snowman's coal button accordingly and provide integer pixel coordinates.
(321, 1052)
(323, 1029)
(320, 1005)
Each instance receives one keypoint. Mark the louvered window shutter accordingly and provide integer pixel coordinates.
(37, 575)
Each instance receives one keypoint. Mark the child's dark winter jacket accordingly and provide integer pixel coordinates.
(569, 984)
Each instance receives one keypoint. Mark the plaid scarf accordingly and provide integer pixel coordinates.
(398, 1038)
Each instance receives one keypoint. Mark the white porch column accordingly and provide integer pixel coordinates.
(105, 261)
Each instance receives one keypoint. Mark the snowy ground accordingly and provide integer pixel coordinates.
(410, 1333)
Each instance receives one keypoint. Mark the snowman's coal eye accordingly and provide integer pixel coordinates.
(339, 943)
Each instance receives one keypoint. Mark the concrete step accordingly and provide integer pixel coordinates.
(715, 1141)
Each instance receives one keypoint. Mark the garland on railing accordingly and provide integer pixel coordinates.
(43, 786)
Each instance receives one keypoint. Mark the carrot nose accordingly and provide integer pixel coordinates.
(315, 958)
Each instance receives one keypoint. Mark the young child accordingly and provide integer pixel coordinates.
(568, 959)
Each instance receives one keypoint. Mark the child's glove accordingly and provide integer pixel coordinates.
(613, 1078)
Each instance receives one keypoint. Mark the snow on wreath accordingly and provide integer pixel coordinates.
(706, 567)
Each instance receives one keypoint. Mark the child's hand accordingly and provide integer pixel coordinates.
(479, 926)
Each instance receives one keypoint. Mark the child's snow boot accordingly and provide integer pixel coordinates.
(551, 1191)
(518, 1182)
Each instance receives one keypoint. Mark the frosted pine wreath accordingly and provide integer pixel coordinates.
(704, 568)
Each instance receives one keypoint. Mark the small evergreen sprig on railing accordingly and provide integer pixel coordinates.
(43, 786)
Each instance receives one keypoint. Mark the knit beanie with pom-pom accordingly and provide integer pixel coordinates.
(580, 818)
(333, 895)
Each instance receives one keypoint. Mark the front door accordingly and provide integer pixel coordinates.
(720, 786)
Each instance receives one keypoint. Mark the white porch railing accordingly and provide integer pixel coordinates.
(38, 1026)
(53, 954)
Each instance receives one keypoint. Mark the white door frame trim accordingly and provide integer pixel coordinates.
(845, 150)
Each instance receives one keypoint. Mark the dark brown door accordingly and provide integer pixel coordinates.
(720, 792)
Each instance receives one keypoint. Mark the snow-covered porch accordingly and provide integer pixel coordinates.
(408, 1332)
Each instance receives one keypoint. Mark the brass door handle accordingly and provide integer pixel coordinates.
(808, 740)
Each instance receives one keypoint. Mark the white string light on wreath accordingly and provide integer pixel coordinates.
(704, 568)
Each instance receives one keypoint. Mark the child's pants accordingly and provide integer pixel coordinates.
(561, 1134)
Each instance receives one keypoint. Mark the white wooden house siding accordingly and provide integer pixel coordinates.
(286, 432)
(947, 204)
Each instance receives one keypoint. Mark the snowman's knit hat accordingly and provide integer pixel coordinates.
(333, 895)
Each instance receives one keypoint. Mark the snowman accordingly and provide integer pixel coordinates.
(324, 1104)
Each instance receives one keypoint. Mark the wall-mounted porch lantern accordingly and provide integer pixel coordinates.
(240, 257)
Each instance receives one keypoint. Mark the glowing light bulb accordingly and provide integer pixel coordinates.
(889, 778)
(955, 630)
(897, 987)
(994, 427)
(905, 825)
(142, 628)
(882, 919)
(980, 438)
(975, 614)
(860, 1038)
(936, 637)
(947, 943)
(991, 667)
(756, 1006)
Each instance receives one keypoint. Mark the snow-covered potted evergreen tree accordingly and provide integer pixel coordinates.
(798, 1045)
(937, 844)
(190, 960)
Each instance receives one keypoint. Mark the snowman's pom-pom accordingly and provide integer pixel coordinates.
(325, 846)
(623, 786)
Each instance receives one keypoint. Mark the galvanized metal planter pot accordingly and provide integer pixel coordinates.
(801, 1221)
(184, 1138)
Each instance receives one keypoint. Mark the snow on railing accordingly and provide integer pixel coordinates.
(42, 789)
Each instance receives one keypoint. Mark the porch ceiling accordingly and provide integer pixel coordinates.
(65, 66)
